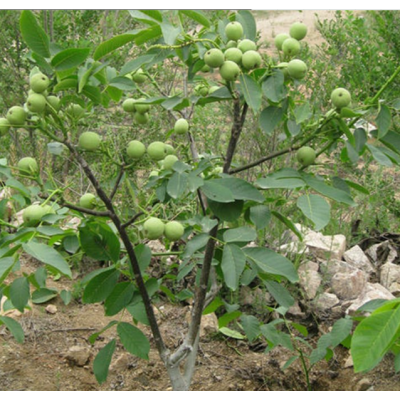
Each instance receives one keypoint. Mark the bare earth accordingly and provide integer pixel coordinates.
(43, 362)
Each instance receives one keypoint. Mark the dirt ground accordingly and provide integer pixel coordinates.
(42, 363)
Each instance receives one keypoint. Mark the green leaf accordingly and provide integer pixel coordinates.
(148, 34)
(143, 255)
(286, 178)
(248, 22)
(340, 330)
(279, 293)
(150, 17)
(69, 58)
(383, 121)
(170, 33)
(123, 83)
(274, 88)
(241, 189)
(102, 361)
(112, 44)
(270, 118)
(101, 286)
(177, 185)
(134, 65)
(232, 333)
(232, 265)
(43, 295)
(260, 216)
(65, 84)
(216, 192)
(302, 113)
(197, 16)
(392, 140)
(66, 296)
(316, 208)
(251, 91)
(242, 234)
(133, 339)
(33, 34)
(19, 293)
(49, 256)
(373, 337)
(251, 326)
(99, 242)
(119, 298)
(197, 243)
(92, 93)
(328, 191)
(272, 263)
(379, 156)
(14, 327)
(6, 266)
(228, 212)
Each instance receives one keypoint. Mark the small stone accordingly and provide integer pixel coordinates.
(120, 364)
(209, 324)
(51, 309)
(78, 355)
(363, 385)
(389, 275)
(349, 362)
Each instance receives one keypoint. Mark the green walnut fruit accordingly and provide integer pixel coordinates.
(28, 166)
(169, 149)
(141, 119)
(297, 69)
(4, 126)
(246, 45)
(169, 161)
(129, 105)
(75, 111)
(231, 44)
(16, 116)
(341, 98)
(88, 201)
(217, 171)
(214, 58)
(291, 47)
(139, 76)
(181, 126)
(136, 149)
(233, 54)
(36, 103)
(229, 71)
(39, 83)
(48, 209)
(153, 228)
(201, 90)
(54, 102)
(279, 39)
(89, 141)
(298, 31)
(33, 214)
(153, 173)
(205, 69)
(283, 67)
(306, 156)
(173, 230)
(142, 108)
(251, 59)
(234, 30)
(156, 151)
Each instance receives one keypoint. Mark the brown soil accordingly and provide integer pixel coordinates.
(41, 363)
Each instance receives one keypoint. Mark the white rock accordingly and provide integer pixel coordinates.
(78, 355)
(310, 281)
(390, 276)
(325, 301)
(372, 291)
(357, 258)
(348, 286)
(308, 266)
